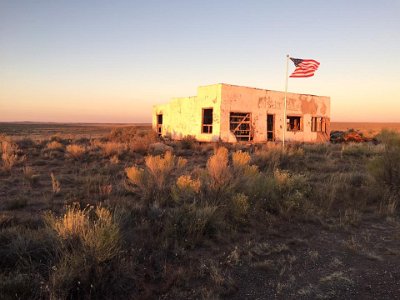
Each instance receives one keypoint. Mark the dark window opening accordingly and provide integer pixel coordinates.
(240, 125)
(270, 128)
(206, 126)
(159, 124)
(318, 124)
(293, 123)
(159, 119)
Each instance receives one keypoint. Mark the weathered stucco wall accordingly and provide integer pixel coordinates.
(183, 116)
(260, 102)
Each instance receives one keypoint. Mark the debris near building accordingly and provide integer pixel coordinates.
(229, 113)
(350, 135)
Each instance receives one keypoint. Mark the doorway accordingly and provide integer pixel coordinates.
(270, 127)
(159, 124)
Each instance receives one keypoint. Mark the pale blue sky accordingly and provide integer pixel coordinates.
(110, 61)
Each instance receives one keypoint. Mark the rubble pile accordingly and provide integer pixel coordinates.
(348, 136)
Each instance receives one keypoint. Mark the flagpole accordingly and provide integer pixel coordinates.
(284, 104)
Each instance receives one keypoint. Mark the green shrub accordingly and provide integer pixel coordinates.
(188, 142)
(356, 150)
(91, 261)
(281, 193)
(239, 207)
(385, 168)
(191, 224)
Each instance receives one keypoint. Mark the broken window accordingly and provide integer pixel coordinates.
(159, 124)
(206, 126)
(318, 124)
(293, 123)
(270, 127)
(240, 125)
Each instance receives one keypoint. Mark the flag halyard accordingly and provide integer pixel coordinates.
(304, 67)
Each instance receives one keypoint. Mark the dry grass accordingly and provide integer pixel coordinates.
(75, 151)
(9, 154)
(113, 148)
(56, 186)
(55, 145)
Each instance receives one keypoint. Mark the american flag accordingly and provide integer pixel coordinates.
(304, 67)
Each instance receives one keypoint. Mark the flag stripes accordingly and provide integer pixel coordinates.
(304, 67)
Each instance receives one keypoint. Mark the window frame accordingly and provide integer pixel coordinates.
(209, 126)
(301, 126)
(318, 126)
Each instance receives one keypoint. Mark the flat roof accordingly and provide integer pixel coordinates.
(254, 88)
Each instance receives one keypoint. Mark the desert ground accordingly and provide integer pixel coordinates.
(368, 129)
(114, 212)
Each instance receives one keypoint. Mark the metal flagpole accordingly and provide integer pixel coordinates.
(284, 105)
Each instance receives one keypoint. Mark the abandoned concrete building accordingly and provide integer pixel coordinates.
(229, 113)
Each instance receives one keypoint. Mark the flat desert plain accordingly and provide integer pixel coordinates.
(369, 129)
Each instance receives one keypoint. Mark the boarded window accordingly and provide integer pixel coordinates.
(294, 123)
(159, 124)
(206, 126)
(318, 124)
(240, 125)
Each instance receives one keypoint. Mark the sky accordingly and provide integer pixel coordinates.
(111, 61)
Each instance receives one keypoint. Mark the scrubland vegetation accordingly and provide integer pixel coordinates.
(128, 216)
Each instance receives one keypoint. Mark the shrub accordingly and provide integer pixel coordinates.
(123, 134)
(55, 145)
(113, 148)
(75, 151)
(185, 189)
(268, 159)
(114, 159)
(293, 189)
(25, 143)
(9, 154)
(385, 168)
(153, 182)
(99, 236)
(356, 150)
(190, 224)
(240, 159)
(281, 193)
(55, 184)
(30, 176)
(142, 142)
(26, 255)
(91, 263)
(136, 176)
(239, 207)
(188, 142)
(160, 168)
(217, 167)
